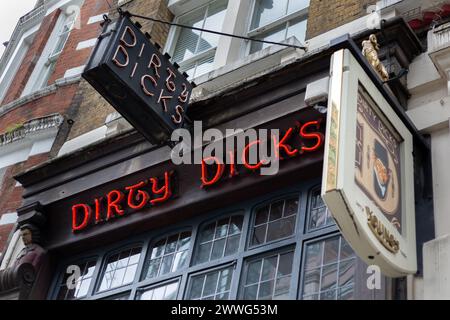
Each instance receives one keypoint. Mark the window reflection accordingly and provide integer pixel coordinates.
(329, 270)
(164, 292)
(269, 278)
(120, 269)
(214, 285)
(275, 221)
(218, 239)
(319, 216)
(168, 255)
(78, 288)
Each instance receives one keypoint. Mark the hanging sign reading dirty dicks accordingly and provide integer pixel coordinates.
(129, 71)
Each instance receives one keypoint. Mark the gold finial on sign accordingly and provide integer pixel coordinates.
(370, 50)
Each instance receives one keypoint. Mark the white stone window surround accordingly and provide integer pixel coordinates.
(44, 67)
(237, 21)
(16, 59)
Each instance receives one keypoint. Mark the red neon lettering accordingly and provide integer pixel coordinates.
(86, 210)
(98, 218)
(244, 157)
(155, 63)
(169, 83)
(115, 197)
(165, 190)
(217, 176)
(233, 171)
(282, 145)
(313, 135)
(141, 194)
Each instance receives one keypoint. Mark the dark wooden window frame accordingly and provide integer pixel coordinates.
(245, 253)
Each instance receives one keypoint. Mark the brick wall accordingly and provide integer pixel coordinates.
(11, 195)
(325, 15)
(94, 109)
(57, 102)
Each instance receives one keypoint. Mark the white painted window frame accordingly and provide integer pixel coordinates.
(286, 19)
(46, 63)
(174, 34)
(8, 75)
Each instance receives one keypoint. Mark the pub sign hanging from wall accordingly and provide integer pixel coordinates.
(130, 72)
(368, 170)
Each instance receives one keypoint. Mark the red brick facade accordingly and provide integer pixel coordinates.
(64, 100)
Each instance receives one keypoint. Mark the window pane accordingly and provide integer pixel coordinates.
(222, 228)
(204, 252)
(296, 5)
(275, 221)
(269, 267)
(266, 290)
(214, 21)
(267, 11)
(164, 292)
(262, 215)
(318, 215)
(325, 274)
(291, 207)
(282, 288)
(232, 245)
(275, 35)
(331, 249)
(79, 287)
(120, 269)
(254, 271)
(218, 249)
(311, 281)
(329, 277)
(268, 278)
(236, 225)
(204, 66)
(211, 286)
(276, 211)
(250, 293)
(168, 255)
(285, 264)
(218, 239)
(314, 255)
(259, 235)
(346, 272)
(188, 39)
(297, 28)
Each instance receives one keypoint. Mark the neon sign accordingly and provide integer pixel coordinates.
(117, 203)
(307, 135)
(298, 140)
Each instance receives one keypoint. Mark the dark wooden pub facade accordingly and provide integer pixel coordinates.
(245, 237)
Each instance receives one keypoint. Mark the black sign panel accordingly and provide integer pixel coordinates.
(129, 71)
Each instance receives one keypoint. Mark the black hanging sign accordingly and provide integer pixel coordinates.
(129, 71)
